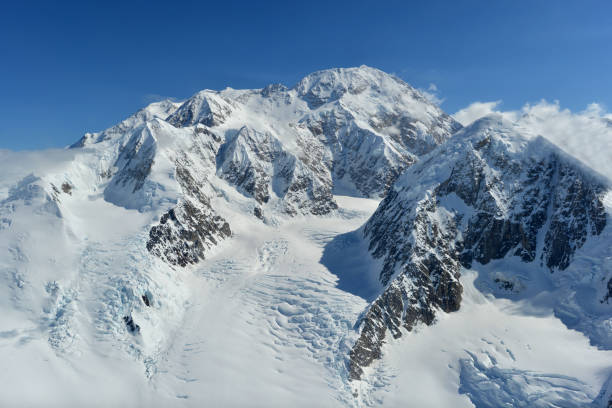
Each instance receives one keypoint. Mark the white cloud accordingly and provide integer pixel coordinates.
(432, 94)
(475, 111)
(586, 135)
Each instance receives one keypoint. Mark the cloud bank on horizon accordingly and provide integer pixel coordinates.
(586, 135)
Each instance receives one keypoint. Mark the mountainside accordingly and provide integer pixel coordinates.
(490, 193)
(233, 249)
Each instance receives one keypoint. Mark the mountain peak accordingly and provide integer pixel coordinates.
(347, 74)
(491, 193)
(327, 85)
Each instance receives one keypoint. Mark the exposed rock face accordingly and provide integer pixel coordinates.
(427, 280)
(488, 193)
(183, 234)
(246, 159)
(577, 212)
(352, 113)
(67, 188)
(257, 164)
(132, 327)
(137, 151)
(355, 152)
(135, 160)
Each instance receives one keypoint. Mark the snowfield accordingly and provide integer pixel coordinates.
(263, 322)
(212, 253)
(495, 352)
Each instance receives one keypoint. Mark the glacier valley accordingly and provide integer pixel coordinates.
(343, 242)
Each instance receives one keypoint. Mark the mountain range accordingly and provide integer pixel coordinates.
(343, 242)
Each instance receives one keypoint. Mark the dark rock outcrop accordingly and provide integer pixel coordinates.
(67, 188)
(183, 234)
(131, 325)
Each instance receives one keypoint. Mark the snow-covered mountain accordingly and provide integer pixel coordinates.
(337, 131)
(513, 206)
(343, 131)
(220, 251)
(350, 130)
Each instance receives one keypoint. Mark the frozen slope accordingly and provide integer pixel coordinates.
(533, 222)
(267, 325)
(259, 322)
(73, 267)
(264, 323)
(491, 353)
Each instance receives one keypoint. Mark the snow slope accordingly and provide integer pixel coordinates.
(496, 353)
(532, 221)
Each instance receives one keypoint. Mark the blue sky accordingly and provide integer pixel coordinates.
(73, 67)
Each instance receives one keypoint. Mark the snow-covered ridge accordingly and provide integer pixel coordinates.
(489, 193)
(159, 110)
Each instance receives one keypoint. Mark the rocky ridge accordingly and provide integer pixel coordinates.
(488, 193)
